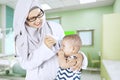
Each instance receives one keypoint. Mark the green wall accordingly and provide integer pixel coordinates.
(116, 6)
(84, 18)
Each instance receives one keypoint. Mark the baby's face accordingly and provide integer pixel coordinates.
(67, 47)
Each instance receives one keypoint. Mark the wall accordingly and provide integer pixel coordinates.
(82, 19)
(116, 6)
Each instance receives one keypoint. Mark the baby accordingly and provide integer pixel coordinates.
(70, 47)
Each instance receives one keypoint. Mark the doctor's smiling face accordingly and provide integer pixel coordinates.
(35, 17)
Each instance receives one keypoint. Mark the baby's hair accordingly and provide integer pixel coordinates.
(74, 40)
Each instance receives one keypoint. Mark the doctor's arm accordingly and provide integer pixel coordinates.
(35, 58)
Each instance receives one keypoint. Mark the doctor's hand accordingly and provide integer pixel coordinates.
(49, 41)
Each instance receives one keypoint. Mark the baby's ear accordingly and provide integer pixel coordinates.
(74, 49)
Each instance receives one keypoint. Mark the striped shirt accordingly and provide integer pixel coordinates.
(67, 74)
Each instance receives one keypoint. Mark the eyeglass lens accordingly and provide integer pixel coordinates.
(35, 17)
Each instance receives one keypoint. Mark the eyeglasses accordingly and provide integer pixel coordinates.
(35, 17)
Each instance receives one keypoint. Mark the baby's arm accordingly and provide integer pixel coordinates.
(63, 63)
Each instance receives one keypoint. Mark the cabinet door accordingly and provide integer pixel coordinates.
(111, 37)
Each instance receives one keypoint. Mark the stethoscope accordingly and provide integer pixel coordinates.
(20, 34)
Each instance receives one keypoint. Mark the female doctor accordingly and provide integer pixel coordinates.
(35, 47)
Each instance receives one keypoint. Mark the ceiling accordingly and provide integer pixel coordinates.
(60, 5)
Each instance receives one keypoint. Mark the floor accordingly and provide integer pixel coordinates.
(86, 75)
(90, 75)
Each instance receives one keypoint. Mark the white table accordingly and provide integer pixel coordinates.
(113, 68)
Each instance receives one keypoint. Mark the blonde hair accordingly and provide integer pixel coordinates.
(74, 40)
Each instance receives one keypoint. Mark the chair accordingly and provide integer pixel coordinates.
(93, 62)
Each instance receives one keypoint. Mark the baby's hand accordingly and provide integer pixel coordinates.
(79, 60)
(72, 62)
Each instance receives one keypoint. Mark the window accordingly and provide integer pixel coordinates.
(55, 19)
(86, 37)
